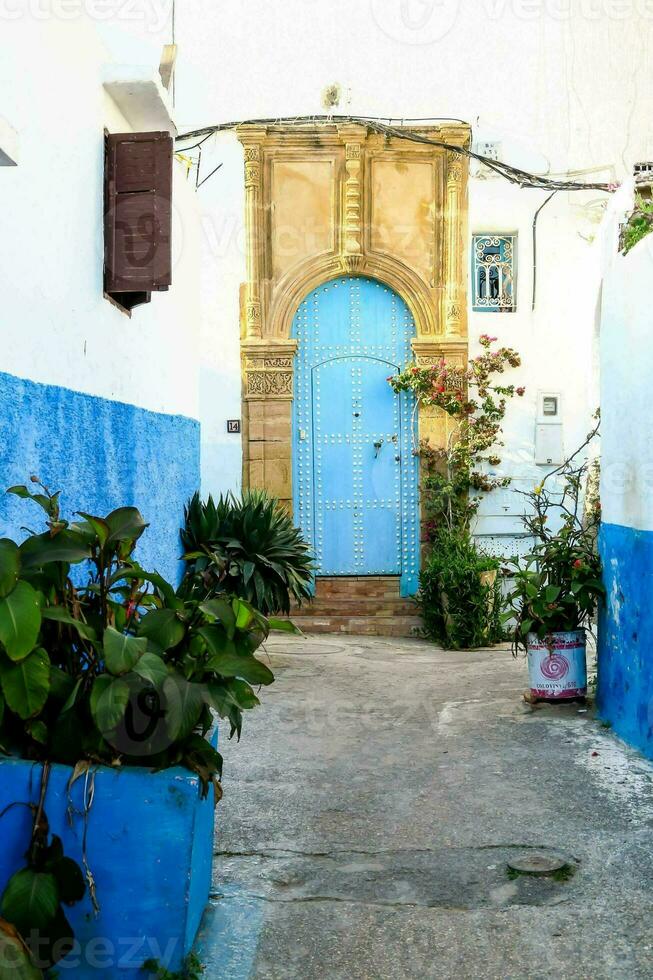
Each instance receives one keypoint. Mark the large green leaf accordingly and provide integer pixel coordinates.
(26, 684)
(184, 704)
(284, 626)
(98, 525)
(151, 668)
(551, 593)
(50, 504)
(125, 524)
(61, 683)
(121, 651)
(233, 691)
(14, 956)
(163, 627)
(67, 545)
(222, 610)
(244, 614)
(61, 615)
(20, 620)
(134, 571)
(30, 900)
(9, 565)
(109, 700)
(38, 730)
(242, 693)
(226, 660)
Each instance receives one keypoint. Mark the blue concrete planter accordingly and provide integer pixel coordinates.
(149, 848)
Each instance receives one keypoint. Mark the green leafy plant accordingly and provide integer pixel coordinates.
(248, 547)
(192, 970)
(558, 585)
(460, 594)
(638, 225)
(104, 662)
(111, 664)
(34, 898)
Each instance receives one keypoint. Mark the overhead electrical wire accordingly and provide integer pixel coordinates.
(515, 175)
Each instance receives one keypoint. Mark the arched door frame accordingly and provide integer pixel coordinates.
(350, 186)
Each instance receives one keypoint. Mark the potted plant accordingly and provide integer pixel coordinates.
(557, 586)
(109, 682)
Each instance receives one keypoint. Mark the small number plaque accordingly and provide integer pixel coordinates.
(233, 425)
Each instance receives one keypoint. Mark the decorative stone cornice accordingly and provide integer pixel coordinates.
(268, 369)
(430, 351)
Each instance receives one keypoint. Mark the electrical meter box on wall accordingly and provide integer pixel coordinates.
(548, 430)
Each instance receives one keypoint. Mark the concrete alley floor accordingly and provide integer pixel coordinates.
(374, 801)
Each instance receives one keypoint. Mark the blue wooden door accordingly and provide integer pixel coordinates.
(354, 471)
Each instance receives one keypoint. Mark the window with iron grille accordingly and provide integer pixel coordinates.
(493, 273)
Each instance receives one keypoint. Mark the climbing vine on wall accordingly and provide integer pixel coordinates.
(638, 225)
(453, 476)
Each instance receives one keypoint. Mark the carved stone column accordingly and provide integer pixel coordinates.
(353, 200)
(254, 248)
(455, 313)
(267, 407)
(352, 250)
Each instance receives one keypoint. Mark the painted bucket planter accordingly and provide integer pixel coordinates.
(149, 848)
(557, 666)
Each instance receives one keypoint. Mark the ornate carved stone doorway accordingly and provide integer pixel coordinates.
(337, 199)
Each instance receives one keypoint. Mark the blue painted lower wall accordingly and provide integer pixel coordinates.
(625, 655)
(102, 454)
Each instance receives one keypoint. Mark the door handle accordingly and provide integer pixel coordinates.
(378, 445)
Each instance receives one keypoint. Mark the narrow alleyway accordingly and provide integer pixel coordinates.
(373, 804)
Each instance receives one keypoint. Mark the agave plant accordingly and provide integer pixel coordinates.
(248, 547)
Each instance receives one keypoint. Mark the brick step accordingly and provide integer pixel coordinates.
(369, 605)
(362, 626)
(356, 606)
(364, 586)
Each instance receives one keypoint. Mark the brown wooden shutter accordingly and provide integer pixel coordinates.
(138, 212)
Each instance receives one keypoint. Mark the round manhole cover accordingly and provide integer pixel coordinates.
(537, 864)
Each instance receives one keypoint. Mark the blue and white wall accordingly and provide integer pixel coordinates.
(97, 404)
(625, 689)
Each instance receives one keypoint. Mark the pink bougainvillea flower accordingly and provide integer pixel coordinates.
(520, 391)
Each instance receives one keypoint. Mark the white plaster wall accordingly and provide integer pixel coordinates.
(555, 340)
(626, 373)
(55, 325)
(222, 203)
